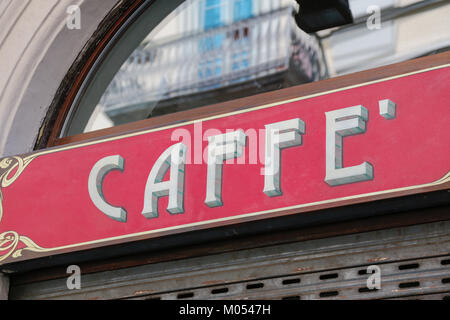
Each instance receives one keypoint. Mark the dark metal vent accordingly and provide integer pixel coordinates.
(414, 263)
(420, 279)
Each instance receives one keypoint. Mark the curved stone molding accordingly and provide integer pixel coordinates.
(36, 51)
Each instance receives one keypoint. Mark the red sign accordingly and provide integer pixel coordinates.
(370, 141)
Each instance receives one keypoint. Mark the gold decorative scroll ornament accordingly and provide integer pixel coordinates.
(15, 166)
(11, 243)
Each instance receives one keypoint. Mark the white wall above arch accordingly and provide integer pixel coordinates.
(36, 51)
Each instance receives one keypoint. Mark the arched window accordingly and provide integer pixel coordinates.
(164, 58)
(171, 57)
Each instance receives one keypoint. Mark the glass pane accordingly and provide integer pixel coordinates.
(210, 51)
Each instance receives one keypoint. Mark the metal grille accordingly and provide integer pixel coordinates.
(414, 264)
(416, 279)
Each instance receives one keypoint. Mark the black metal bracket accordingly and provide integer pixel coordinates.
(316, 15)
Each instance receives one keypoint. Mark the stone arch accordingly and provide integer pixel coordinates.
(36, 52)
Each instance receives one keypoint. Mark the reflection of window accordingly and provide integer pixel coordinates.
(210, 46)
(213, 13)
(242, 9)
(241, 49)
(215, 10)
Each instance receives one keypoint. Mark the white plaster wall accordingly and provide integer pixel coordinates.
(36, 51)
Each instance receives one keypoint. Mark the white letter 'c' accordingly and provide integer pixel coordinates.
(95, 185)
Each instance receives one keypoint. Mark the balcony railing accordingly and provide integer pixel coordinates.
(246, 50)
